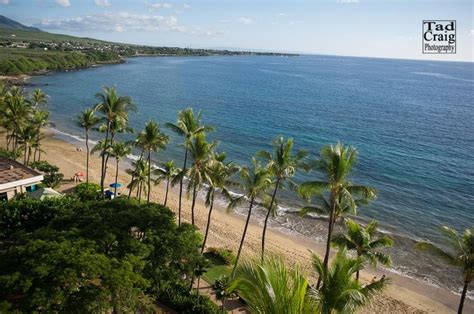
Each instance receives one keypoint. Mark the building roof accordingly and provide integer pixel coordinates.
(13, 173)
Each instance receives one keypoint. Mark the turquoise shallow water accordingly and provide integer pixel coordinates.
(411, 121)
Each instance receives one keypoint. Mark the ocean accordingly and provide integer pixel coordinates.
(412, 123)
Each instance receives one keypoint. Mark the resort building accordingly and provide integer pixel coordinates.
(16, 178)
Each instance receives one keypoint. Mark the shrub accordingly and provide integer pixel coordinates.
(225, 255)
(87, 191)
(9, 154)
(52, 176)
(180, 299)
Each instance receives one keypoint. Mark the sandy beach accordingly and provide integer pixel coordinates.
(404, 295)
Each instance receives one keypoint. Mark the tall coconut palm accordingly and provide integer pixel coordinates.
(200, 151)
(139, 177)
(15, 111)
(119, 150)
(152, 140)
(365, 242)
(268, 286)
(336, 163)
(168, 173)
(114, 108)
(87, 120)
(340, 292)
(187, 125)
(460, 253)
(283, 165)
(221, 174)
(255, 182)
(26, 135)
(38, 98)
(39, 119)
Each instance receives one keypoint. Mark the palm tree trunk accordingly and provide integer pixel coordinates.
(358, 271)
(197, 286)
(39, 154)
(29, 154)
(26, 152)
(211, 205)
(166, 194)
(112, 135)
(133, 175)
(243, 238)
(102, 176)
(116, 177)
(181, 184)
(149, 177)
(192, 205)
(268, 216)
(328, 242)
(87, 157)
(140, 193)
(463, 296)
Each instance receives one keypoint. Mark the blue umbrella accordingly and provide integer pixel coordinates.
(115, 185)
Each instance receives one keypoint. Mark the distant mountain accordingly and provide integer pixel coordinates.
(5, 22)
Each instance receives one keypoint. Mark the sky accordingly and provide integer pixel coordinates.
(370, 28)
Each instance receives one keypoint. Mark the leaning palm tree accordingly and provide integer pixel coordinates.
(139, 177)
(340, 292)
(283, 165)
(114, 108)
(255, 183)
(336, 163)
(221, 174)
(459, 254)
(168, 173)
(152, 140)
(15, 113)
(270, 287)
(119, 150)
(87, 120)
(365, 242)
(39, 119)
(26, 136)
(201, 152)
(187, 125)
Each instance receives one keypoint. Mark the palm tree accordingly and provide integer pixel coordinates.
(119, 150)
(38, 98)
(114, 108)
(187, 125)
(336, 163)
(168, 173)
(152, 140)
(139, 177)
(220, 174)
(340, 292)
(460, 254)
(255, 182)
(200, 151)
(87, 120)
(283, 165)
(268, 286)
(26, 135)
(39, 119)
(365, 242)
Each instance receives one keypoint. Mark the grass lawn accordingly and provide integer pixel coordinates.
(217, 269)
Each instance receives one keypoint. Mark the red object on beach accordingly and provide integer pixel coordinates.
(80, 174)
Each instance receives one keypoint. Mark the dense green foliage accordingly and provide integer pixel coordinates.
(226, 256)
(15, 61)
(87, 191)
(64, 255)
(52, 176)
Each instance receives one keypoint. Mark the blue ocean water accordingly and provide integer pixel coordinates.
(411, 121)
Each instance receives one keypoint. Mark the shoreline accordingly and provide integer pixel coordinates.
(404, 295)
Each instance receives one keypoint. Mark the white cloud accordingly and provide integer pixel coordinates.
(471, 32)
(246, 20)
(160, 5)
(64, 3)
(123, 22)
(281, 14)
(102, 3)
(5, 2)
(347, 1)
(186, 6)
